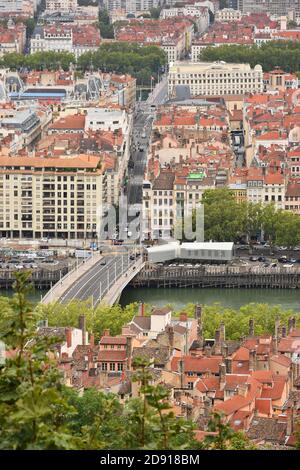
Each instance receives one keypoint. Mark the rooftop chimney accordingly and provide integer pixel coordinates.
(198, 314)
(106, 332)
(224, 350)
(183, 316)
(222, 331)
(217, 347)
(207, 407)
(290, 419)
(222, 373)
(180, 370)
(141, 309)
(207, 351)
(290, 325)
(69, 337)
(228, 363)
(170, 333)
(283, 331)
(251, 327)
(252, 359)
(198, 311)
(129, 351)
(82, 327)
(92, 339)
(277, 328)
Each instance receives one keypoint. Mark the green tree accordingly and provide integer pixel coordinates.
(155, 12)
(225, 438)
(158, 426)
(99, 319)
(106, 29)
(32, 411)
(288, 229)
(223, 217)
(284, 54)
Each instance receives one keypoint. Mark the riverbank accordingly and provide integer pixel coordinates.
(232, 298)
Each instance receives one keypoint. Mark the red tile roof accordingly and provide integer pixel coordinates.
(282, 360)
(264, 406)
(198, 364)
(113, 340)
(112, 356)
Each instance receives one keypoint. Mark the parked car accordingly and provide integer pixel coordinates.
(103, 263)
(253, 258)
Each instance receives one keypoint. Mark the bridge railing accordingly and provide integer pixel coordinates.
(50, 295)
(115, 289)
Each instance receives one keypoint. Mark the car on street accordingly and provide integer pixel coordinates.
(103, 263)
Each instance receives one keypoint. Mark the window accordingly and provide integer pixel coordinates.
(104, 365)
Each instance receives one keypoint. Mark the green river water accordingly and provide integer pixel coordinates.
(287, 298)
(234, 298)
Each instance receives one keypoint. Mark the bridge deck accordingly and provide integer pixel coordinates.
(100, 280)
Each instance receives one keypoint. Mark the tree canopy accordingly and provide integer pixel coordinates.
(38, 61)
(106, 29)
(225, 219)
(123, 57)
(141, 62)
(285, 54)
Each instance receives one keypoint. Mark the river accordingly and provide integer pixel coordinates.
(234, 298)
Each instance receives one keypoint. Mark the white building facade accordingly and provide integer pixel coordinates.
(215, 78)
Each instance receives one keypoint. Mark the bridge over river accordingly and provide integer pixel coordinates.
(101, 278)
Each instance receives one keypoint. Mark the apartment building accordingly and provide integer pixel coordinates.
(158, 206)
(61, 5)
(173, 35)
(12, 38)
(24, 125)
(199, 14)
(51, 197)
(65, 37)
(106, 119)
(130, 6)
(228, 14)
(292, 197)
(275, 7)
(52, 39)
(215, 78)
(14, 8)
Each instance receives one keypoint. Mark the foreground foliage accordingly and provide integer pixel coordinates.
(38, 412)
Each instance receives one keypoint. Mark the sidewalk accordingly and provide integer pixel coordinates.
(116, 290)
(61, 286)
